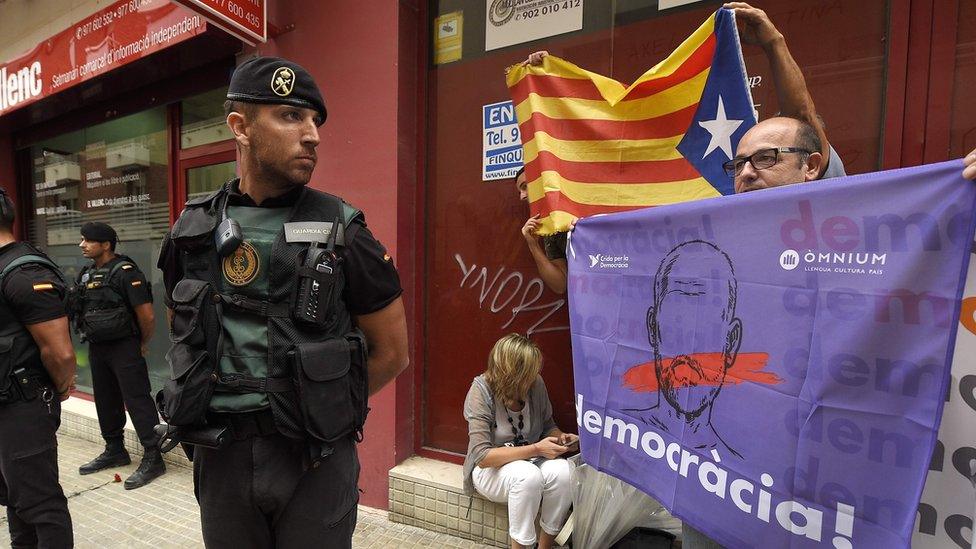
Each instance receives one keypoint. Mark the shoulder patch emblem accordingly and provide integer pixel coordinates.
(242, 267)
(282, 81)
(43, 286)
(126, 267)
(137, 283)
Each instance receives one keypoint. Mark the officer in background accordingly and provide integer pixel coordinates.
(115, 315)
(37, 371)
(304, 289)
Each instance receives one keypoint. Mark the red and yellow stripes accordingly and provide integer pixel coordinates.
(593, 145)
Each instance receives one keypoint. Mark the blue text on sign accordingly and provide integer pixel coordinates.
(499, 114)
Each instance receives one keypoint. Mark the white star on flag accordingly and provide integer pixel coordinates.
(721, 129)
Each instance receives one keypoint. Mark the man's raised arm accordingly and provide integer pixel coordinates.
(794, 98)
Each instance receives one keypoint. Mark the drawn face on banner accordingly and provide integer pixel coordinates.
(692, 327)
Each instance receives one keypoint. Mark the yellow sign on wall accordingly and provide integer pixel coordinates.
(448, 33)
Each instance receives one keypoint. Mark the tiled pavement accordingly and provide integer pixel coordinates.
(164, 514)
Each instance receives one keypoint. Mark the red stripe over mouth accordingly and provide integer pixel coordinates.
(748, 367)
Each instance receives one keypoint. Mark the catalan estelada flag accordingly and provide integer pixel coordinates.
(593, 145)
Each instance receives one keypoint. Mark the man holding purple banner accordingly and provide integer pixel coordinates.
(775, 152)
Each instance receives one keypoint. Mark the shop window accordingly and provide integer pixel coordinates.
(204, 180)
(481, 282)
(117, 173)
(202, 119)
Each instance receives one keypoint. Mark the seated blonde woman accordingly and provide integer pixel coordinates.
(514, 445)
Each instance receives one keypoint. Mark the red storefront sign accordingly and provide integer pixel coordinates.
(122, 33)
(244, 19)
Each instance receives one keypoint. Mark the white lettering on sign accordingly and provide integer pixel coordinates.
(22, 85)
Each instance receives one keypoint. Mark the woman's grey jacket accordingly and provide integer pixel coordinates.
(479, 410)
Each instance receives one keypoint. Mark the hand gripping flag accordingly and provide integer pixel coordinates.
(593, 145)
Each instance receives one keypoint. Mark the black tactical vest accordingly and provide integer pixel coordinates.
(105, 314)
(17, 346)
(193, 238)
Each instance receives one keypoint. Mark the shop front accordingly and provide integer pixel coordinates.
(100, 127)
(117, 172)
(114, 113)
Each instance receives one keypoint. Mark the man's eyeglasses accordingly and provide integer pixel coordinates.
(760, 160)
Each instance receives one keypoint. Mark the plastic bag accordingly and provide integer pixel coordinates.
(606, 508)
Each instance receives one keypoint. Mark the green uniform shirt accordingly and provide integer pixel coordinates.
(245, 272)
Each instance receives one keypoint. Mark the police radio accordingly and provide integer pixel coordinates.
(315, 277)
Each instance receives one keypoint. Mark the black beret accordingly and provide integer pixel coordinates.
(277, 81)
(97, 231)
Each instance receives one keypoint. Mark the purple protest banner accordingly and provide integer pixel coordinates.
(772, 366)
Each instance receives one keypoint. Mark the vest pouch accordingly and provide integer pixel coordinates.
(185, 397)
(197, 339)
(6, 362)
(192, 305)
(193, 230)
(100, 325)
(325, 386)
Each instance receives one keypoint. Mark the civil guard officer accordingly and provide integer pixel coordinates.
(37, 371)
(286, 314)
(115, 315)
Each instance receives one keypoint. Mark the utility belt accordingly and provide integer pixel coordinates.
(329, 377)
(242, 426)
(26, 385)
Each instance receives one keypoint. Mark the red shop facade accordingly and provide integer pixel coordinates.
(129, 141)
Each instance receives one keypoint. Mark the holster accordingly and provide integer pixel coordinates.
(24, 386)
(207, 437)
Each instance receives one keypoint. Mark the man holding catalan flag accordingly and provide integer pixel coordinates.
(593, 145)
